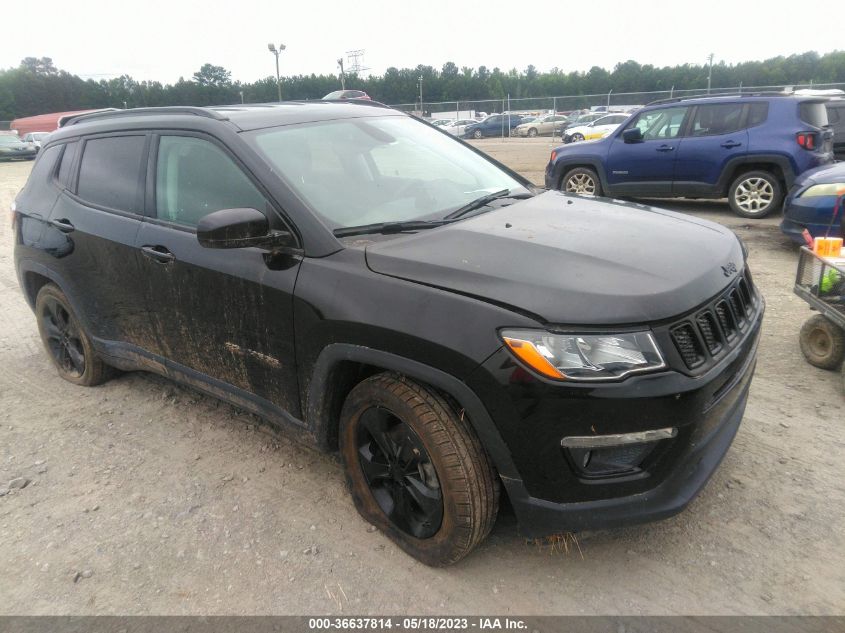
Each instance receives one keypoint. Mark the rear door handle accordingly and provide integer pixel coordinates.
(665, 148)
(158, 253)
(731, 144)
(63, 225)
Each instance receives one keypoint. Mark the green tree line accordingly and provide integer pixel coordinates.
(37, 86)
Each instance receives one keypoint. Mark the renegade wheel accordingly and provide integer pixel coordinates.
(583, 181)
(755, 194)
(477, 134)
(416, 469)
(66, 342)
(576, 137)
(532, 132)
(822, 342)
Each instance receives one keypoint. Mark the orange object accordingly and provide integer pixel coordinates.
(827, 246)
(530, 355)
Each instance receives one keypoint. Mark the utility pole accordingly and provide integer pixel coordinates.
(342, 74)
(272, 48)
(709, 72)
(422, 110)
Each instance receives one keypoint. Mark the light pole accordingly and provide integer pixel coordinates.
(342, 74)
(422, 110)
(709, 72)
(272, 48)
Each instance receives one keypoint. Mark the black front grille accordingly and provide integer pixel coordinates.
(688, 345)
(709, 331)
(718, 326)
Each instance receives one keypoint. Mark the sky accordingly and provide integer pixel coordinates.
(166, 39)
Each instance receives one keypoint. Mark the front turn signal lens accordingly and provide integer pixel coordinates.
(531, 356)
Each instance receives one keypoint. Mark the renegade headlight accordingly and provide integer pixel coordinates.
(830, 189)
(585, 356)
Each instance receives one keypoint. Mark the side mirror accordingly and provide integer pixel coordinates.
(632, 135)
(240, 228)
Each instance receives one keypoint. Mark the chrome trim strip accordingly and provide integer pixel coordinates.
(603, 441)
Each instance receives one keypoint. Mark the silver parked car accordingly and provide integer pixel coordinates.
(549, 125)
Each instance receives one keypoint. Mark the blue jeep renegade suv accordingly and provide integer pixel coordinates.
(748, 148)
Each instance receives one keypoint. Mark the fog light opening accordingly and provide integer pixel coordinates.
(599, 456)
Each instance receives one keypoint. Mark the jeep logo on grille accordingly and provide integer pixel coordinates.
(729, 269)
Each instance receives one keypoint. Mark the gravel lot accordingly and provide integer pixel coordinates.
(145, 497)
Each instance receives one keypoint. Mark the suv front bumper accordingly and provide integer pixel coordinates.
(551, 495)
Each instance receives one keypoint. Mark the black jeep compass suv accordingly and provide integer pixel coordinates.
(378, 287)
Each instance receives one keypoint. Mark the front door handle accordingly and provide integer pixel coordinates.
(665, 148)
(158, 253)
(63, 225)
(731, 144)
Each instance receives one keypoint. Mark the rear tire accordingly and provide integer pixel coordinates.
(582, 181)
(66, 342)
(416, 470)
(755, 194)
(822, 342)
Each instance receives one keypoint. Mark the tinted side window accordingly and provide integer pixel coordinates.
(65, 168)
(110, 172)
(716, 118)
(814, 114)
(757, 113)
(194, 177)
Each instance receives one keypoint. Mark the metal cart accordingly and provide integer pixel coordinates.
(820, 281)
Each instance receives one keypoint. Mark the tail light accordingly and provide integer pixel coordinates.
(807, 140)
(553, 156)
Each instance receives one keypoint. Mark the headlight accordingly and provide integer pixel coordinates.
(585, 356)
(831, 189)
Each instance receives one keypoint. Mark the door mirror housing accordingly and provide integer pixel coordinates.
(241, 228)
(632, 135)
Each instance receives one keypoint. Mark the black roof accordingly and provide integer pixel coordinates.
(247, 116)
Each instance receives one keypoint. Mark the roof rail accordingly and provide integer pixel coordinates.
(724, 94)
(96, 116)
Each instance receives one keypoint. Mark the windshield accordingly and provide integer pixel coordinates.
(8, 139)
(353, 172)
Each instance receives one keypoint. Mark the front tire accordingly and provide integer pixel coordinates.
(66, 341)
(575, 138)
(532, 132)
(477, 134)
(755, 194)
(822, 342)
(416, 469)
(582, 181)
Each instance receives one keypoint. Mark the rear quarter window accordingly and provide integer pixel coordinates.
(68, 158)
(43, 169)
(757, 113)
(813, 113)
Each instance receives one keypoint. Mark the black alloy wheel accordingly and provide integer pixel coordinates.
(66, 341)
(400, 474)
(416, 469)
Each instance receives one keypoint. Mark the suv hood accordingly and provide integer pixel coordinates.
(570, 260)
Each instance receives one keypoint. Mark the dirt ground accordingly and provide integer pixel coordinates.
(149, 498)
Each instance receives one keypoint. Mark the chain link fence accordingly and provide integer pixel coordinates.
(619, 101)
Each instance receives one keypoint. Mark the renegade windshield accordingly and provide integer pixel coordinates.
(376, 170)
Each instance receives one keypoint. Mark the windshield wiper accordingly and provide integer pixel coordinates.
(484, 201)
(386, 228)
